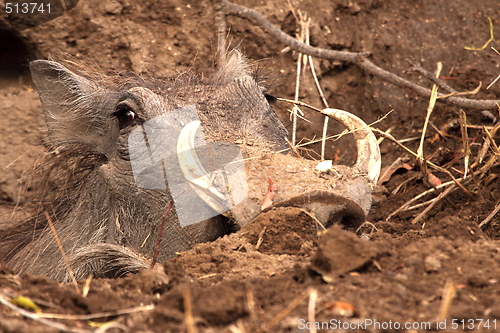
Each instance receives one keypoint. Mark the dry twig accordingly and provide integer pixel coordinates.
(36, 317)
(311, 309)
(435, 79)
(97, 315)
(188, 310)
(284, 312)
(490, 217)
(448, 295)
(478, 175)
(305, 23)
(260, 239)
(432, 204)
(160, 233)
(86, 285)
(406, 206)
(437, 167)
(462, 93)
(465, 140)
(63, 253)
(492, 38)
(498, 77)
(430, 108)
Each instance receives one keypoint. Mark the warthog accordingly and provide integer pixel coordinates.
(128, 153)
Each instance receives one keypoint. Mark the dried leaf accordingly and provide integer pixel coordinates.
(97, 324)
(324, 165)
(268, 199)
(488, 179)
(433, 180)
(25, 303)
(387, 172)
(343, 309)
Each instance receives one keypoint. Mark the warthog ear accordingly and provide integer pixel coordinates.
(74, 107)
(234, 66)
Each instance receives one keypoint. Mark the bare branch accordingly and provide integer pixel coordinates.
(416, 67)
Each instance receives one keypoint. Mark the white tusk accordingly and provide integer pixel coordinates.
(369, 159)
(194, 172)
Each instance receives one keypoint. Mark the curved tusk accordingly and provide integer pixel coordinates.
(194, 172)
(369, 159)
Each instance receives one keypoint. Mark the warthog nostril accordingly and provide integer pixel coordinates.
(329, 209)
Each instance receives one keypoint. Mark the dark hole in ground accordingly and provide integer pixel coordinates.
(15, 55)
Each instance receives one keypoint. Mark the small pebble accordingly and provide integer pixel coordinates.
(432, 263)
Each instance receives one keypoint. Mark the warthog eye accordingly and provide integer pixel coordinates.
(270, 98)
(125, 115)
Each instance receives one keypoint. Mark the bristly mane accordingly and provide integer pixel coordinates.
(121, 80)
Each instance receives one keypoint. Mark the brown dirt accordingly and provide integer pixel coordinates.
(397, 276)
